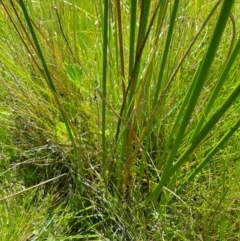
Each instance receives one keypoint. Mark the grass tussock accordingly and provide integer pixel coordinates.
(119, 120)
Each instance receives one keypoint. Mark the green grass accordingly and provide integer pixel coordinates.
(119, 120)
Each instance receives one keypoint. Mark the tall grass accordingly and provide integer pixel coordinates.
(139, 82)
(130, 102)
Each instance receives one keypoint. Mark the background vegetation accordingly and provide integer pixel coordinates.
(119, 120)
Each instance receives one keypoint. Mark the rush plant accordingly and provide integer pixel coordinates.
(152, 70)
(132, 102)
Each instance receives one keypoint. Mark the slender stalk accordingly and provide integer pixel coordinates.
(49, 78)
(166, 51)
(104, 77)
(120, 39)
(220, 82)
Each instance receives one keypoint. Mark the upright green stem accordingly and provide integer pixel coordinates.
(104, 77)
(49, 78)
(166, 51)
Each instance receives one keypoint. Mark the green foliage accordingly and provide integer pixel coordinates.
(133, 105)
